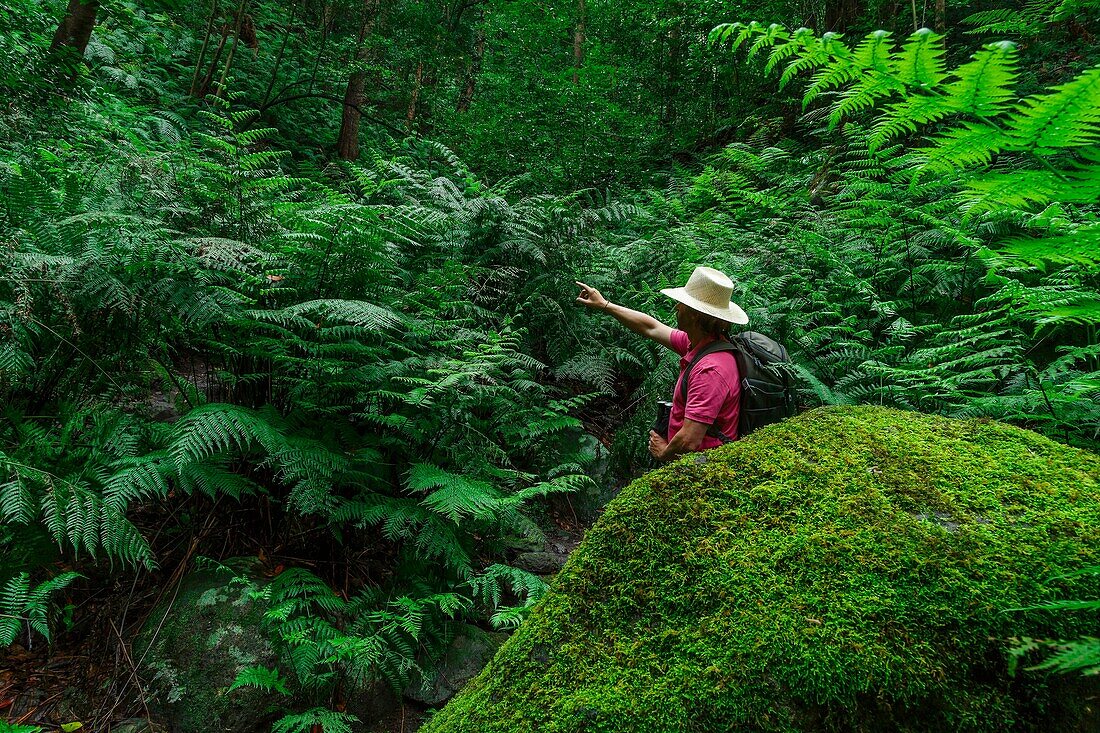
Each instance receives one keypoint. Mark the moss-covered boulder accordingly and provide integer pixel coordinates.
(195, 644)
(849, 569)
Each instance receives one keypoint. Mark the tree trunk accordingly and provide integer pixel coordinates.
(75, 29)
(347, 144)
(208, 77)
(232, 49)
(578, 42)
(941, 16)
(839, 14)
(473, 69)
(410, 116)
(326, 19)
(202, 52)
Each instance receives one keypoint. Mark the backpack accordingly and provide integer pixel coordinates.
(767, 394)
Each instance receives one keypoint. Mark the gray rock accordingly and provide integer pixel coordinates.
(540, 563)
(191, 651)
(470, 651)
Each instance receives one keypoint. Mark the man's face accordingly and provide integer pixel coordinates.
(683, 316)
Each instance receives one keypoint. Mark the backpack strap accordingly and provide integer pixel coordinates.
(713, 347)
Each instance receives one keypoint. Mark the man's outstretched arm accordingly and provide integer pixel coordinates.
(636, 321)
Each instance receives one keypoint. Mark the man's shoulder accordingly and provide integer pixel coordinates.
(721, 364)
(720, 359)
(679, 341)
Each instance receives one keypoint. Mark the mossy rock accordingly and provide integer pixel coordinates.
(849, 569)
(193, 648)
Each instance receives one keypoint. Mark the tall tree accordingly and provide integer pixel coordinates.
(473, 68)
(839, 14)
(578, 41)
(201, 63)
(347, 144)
(410, 115)
(75, 28)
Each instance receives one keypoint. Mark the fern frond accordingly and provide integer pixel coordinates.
(983, 86)
(317, 719)
(1082, 247)
(920, 63)
(213, 428)
(1066, 118)
(262, 678)
(452, 495)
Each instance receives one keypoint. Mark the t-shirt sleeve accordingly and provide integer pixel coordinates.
(680, 342)
(707, 392)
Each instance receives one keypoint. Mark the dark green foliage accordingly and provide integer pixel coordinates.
(845, 569)
(345, 346)
(21, 604)
(377, 366)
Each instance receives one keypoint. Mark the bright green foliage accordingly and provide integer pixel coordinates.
(345, 346)
(204, 313)
(325, 643)
(1038, 135)
(15, 728)
(261, 677)
(845, 569)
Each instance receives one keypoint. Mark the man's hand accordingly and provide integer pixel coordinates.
(687, 439)
(657, 446)
(647, 326)
(590, 296)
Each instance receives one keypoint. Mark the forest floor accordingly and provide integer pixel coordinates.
(89, 676)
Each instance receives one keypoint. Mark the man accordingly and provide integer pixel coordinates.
(703, 314)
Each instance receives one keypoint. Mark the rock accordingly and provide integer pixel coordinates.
(782, 585)
(464, 658)
(578, 446)
(209, 634)
(540, 563)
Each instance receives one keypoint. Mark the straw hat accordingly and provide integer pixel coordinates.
(708, 291)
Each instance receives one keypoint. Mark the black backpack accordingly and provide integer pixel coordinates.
(767, 394)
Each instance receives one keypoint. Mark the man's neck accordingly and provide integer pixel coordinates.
(697, 338)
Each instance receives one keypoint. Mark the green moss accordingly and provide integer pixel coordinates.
(844, 570)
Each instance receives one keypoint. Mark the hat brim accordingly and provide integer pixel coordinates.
(733, 313)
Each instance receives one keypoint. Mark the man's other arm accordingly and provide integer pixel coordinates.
(687, 439)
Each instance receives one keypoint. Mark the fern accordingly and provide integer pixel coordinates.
(22, 604)
(261, 678)
(328, 721)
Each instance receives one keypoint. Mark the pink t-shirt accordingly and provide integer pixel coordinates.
(714, 391)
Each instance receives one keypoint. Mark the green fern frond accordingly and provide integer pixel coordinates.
(1082, 247)
(983, 86)
(261, 678)
(328, 721)
(1066, 118)
(1080, 655)
(970, 144)
(20, 603)
(452, 495)
(920, 63)
(213, 428)
(6, 727)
